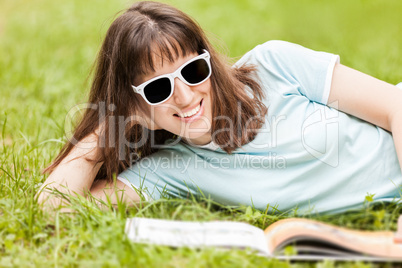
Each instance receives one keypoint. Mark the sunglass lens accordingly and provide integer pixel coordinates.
(158, 90)
(196, 71)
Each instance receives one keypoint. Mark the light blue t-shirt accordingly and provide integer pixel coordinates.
(307, 155)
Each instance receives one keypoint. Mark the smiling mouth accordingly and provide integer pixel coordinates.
(191, 113)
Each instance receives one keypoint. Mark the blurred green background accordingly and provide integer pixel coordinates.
(47, 49)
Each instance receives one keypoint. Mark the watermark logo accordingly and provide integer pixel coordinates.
(205, 161)
(319, 132)
(323, 147)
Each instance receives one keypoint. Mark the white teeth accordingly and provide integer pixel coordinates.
(192, 112)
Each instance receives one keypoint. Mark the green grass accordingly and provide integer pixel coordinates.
(46, 51)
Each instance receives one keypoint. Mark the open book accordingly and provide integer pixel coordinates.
(310, 240)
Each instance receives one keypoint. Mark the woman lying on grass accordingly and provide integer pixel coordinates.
(283, 126)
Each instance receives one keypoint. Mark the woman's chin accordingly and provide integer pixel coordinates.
(198, 138)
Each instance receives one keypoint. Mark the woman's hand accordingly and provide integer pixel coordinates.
(74, 175)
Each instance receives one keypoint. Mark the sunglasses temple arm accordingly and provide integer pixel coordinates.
(136, 90)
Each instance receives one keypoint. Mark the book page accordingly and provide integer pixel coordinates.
(315, 238)
(196, 234)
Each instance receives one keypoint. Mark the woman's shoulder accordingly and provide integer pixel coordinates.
(273, 51)
(272, 46)
(289, 59)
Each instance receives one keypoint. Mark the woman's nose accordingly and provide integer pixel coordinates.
(183, 94)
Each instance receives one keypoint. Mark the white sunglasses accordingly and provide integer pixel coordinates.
(160, 88)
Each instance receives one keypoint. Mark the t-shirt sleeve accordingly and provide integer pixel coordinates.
(293, 69)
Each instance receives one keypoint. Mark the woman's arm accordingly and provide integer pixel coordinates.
(370, 99)
(75, 175)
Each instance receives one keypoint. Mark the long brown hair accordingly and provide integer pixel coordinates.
(127, 52)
